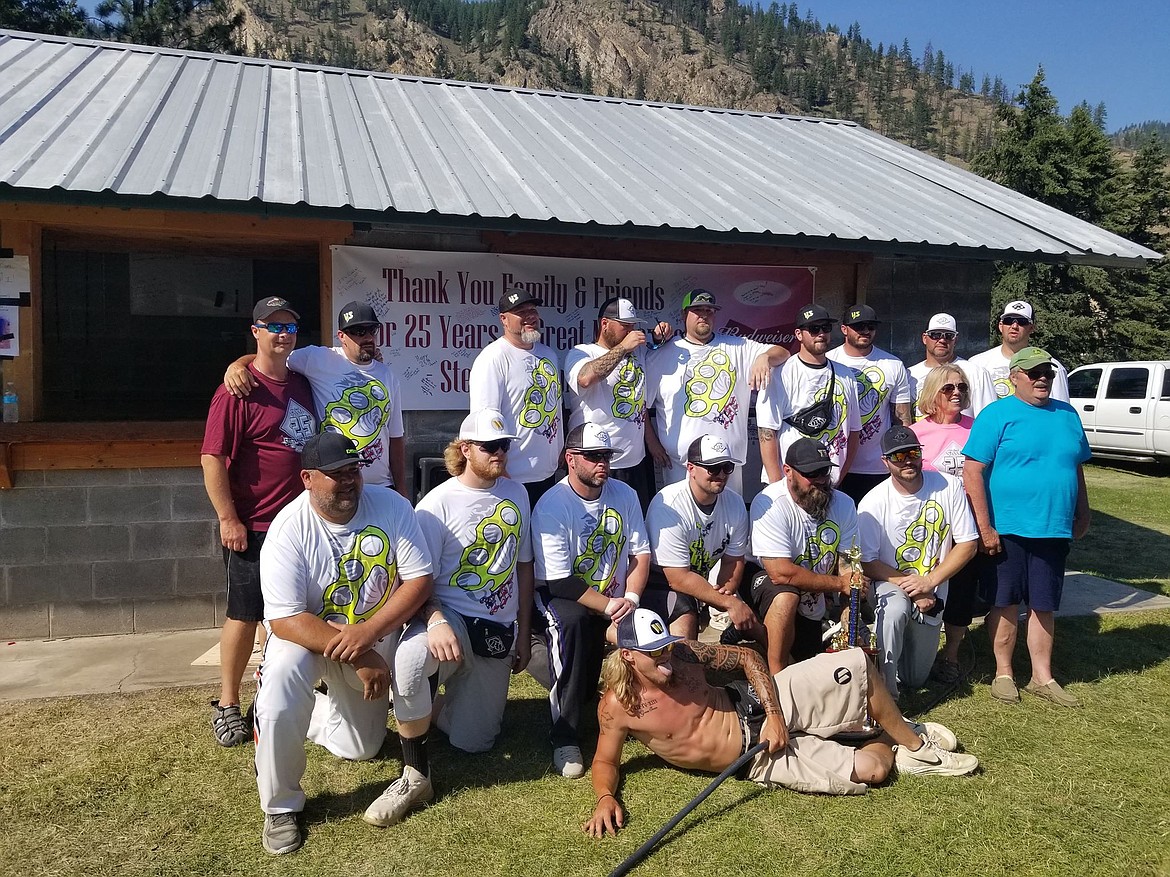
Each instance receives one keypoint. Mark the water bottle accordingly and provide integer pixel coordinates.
(11, 403)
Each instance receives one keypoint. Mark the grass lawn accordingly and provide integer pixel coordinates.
(134, 785)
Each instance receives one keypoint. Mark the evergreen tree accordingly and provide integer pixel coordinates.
(60, 17)
(201, 25)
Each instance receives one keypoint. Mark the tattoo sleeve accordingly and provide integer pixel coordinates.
(720, 657)
(604, 364)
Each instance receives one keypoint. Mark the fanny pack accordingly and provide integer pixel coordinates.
(490, 639)
(814, 419)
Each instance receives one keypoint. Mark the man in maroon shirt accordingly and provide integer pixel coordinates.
(251, 469)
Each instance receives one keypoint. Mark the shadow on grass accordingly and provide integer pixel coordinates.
(1124, 551)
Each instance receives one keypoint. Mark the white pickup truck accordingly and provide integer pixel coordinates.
(1124, 407)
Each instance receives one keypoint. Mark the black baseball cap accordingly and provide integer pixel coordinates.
(328, 451)
(699, 298)
(357, 313)
(813, 314)
(860, 314)
(269, 306)
(517, 296)
(899, 438)
(808, 457)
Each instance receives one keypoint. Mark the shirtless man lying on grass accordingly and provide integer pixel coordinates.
(656, 690)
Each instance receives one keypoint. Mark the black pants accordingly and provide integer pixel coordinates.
(576, 646)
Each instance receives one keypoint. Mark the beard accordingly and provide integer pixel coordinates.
(529, 336)
(488, 469)
(813, 498)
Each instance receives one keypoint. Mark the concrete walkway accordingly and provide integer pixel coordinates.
(140, 662)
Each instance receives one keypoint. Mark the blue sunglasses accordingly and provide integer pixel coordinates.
(277, 328)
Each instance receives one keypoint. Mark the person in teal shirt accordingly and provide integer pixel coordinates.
(1024, 474)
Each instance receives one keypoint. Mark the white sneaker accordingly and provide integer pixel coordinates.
(930, 759)
(411, 791)
(942, 736)
(281, 834)
(568, 762)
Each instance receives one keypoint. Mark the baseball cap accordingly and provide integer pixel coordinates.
(356, 313)
(620, 309)
(588, 437)
(808, 457)
(699, 298)
(485, 425)
(269, 306)
(327, 451)
(860, 314)
(707, 450)
(943, 321)
(1017, 309)
(899, 438)
(1029, 357)
(517, 296)
(643, 630)
(813, 314)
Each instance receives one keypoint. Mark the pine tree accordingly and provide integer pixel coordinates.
(60, 17)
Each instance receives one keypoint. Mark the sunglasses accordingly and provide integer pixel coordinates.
(595, 456)
(941, 335)
(947, 389)
(863, 328)
(1016, 321)
(361, 331)
(659, 652)
(818, 328)
(718, 468)
(899, 457)
(277, 328)
(494, 445)
(1041, 371)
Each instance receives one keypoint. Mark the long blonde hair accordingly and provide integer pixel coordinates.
(453, 458)
(618, 676)
(939, 375)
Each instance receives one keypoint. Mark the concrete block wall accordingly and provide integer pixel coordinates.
(102, 551)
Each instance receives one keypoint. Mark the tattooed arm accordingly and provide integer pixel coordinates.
(725, 658)
(608, 815)
(598, 369)
(770, 454)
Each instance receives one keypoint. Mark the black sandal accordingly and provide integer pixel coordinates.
(228, 725)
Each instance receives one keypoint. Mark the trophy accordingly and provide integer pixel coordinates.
(854, 633)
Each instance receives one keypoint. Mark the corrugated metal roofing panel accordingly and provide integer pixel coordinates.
(107, 118)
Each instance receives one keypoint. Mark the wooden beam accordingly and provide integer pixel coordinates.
(104, 455)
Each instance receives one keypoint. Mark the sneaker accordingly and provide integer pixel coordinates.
(945, 671)
(281, 833)
(940, 735)
(410, 792)
(228, 725)
(568, 762)
(1004, 688)
(1052, 692)
(931, 759)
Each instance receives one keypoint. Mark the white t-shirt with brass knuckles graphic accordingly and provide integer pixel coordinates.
(882, 382)
(526, 386)
(340, 572)
(362, 402)
(617, 404)
(683, 536)
(476, 537)
(592, 539)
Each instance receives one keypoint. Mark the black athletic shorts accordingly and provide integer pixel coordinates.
(758, 590)
(245, 600)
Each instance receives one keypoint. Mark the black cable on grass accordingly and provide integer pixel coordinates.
(640, 853)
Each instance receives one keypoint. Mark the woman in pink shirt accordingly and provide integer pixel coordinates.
(943, 432)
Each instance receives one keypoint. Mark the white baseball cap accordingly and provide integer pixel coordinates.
(942, 321)
(588, 437)
(622, 310)
(644, 631)
(1017, 309)
(708, 450)
(485, 425)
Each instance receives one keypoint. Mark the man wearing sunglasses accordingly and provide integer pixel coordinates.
(607, 385)
(520, 376)
(356, 394)
(812, 397)
(916, 532)
(694, 525)
(656, 690)
(883, 396)
(1016, 325)
(940, 341)
(703, 383)
(1024, 474)
(251, 470)
(592, 557)
(479, 619)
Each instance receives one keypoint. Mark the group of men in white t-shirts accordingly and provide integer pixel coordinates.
(506, 558)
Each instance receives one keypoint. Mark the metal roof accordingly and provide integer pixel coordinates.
(103, 122)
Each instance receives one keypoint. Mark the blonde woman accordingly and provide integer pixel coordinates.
(943, 431)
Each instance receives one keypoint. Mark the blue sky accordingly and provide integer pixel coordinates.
(1117, 52)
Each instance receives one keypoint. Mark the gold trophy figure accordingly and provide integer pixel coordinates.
(854, 633)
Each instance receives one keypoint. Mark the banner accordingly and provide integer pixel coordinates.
(438, 309)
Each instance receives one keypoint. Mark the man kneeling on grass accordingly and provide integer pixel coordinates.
(655, 689)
